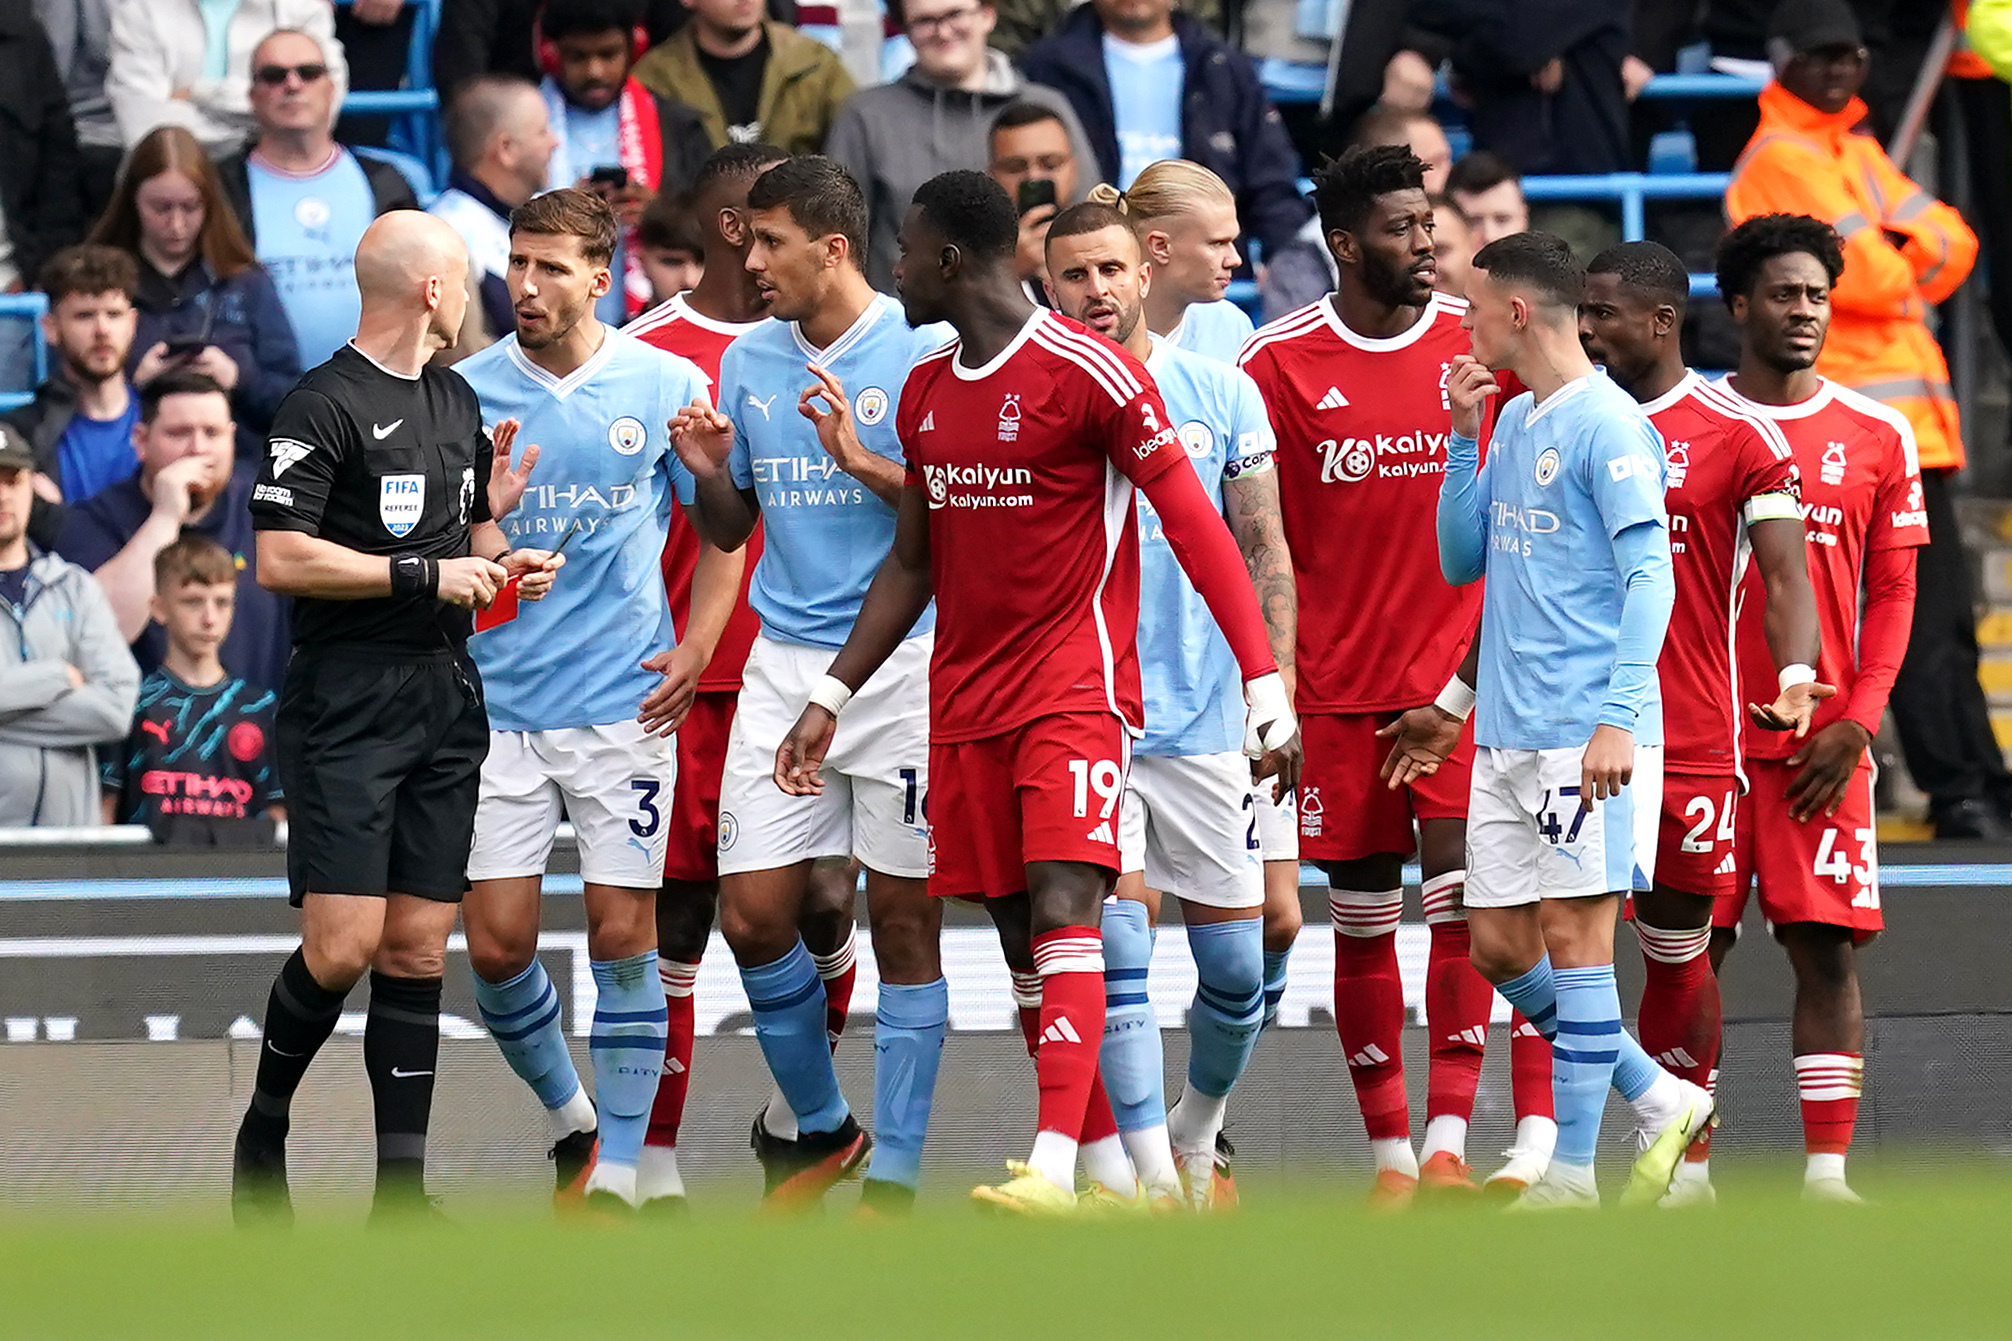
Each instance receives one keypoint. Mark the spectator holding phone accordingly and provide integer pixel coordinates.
(206, 305)
(1034, 158)
(615, 137)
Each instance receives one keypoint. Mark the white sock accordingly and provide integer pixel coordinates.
(1576, 1177)
(619, 1179)
(1537, 1136)
(1662, 1103)
(1196, 1121)
(1395, 1154)
(1105, 1161)
(1153, 1156)
(1689, 1171)
(1824, 1168)
(657, 1174)
(779, 1119)
(1445, 1133)
(1054, 1158)
(576, 1114)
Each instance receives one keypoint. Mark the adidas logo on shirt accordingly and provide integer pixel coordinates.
(1333, 400)
(1102, 833)
(1061, 1032)
(1726, 867)
(928, 422)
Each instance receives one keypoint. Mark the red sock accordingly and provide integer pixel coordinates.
(1679, 1023)
(1529, 1069)
(1099, 1121)
(668, 1111)
(1369, 1007)
(1458, 1001)
(1829, 1085)
(839, 970)
(1070, 961)
(1027, 1001)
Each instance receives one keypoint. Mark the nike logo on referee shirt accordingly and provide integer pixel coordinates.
(397, 1074)
(383, 431)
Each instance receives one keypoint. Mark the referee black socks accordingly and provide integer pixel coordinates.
(300, 1014)
(401, 1047)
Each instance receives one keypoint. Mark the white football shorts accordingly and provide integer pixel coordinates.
(1529, 836)
(613, 782)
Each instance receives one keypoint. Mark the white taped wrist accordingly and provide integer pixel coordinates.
(1270, 723)
(1456, 699)
(831, 694)
(1791, 676)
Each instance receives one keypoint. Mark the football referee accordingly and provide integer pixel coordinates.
(373, 510)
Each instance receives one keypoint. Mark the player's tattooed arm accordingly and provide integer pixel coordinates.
(838, 432)
(1794, 636)
(722, 512)
(1254, 519)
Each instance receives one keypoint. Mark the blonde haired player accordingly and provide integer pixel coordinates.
(1186, 221)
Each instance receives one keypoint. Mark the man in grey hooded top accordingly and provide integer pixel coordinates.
(936, 117)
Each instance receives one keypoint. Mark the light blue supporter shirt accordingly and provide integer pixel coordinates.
(824, 534)
(1193, 693)
(1147, 84)
(1566, 520)
(1215, 330)
(604, 488)
(308, 228)
(587, 140)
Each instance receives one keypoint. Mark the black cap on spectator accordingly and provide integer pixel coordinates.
(15, 454)
(1812, 25)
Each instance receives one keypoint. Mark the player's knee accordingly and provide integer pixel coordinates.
(1282, 921)
(834, 888)
(907, 937)
(1497, 961)
(339, 961)
(1383, 871)
(754, 934)
(409, 960)
(684, 920)
(620, 923)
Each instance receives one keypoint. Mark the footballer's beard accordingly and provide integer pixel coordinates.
(1390, 285)
(558, 323)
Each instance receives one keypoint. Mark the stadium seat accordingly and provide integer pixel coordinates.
(413, 169)
(24, 309)
(416, 131)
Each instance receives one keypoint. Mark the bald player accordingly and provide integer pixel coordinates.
(373, 510)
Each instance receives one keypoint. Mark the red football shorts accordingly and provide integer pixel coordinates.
(1048, 790)
(694, 851)
(1824, 869)
(1346, 812)
(1694, 845)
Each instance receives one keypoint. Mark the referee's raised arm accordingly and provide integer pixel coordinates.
(372, 511)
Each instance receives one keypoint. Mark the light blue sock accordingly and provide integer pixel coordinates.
(627, 1046)
(1134, 1066)
(1229, 1002)
(1634, 1070)
(1536, 995)
(788, 1003)
(523, 1018)
(1582, 1058)
(1274, 983)
(908, 1030)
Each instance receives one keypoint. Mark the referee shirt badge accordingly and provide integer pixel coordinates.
(400, 500)
(626, 435)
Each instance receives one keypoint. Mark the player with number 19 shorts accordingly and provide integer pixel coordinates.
(1025, 439)
(566, 683)
(1805, 835)
(1732, 498)
(1355, 385)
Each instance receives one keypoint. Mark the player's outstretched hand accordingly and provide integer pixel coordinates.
(801, 754)
(1468, 388)
(835, 427)
(1607, 766)
(1794, 710)
(470, 583)
(536, 567)
(702, 437)
(1283, 765)
(1827, 763)
(507, 485)
(664, 708)
(1421, 740)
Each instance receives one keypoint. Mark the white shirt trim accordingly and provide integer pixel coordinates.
(1826, 392)
(1685, 385)
(998, 360)
(561, 387)
(388, 372)
(1378, 345)
(854, 333)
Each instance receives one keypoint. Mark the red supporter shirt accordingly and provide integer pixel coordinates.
(1726, 468)
(1028, 464)
(675, 327)
(1362, 427)
(1861, 491)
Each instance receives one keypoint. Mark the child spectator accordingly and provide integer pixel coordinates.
(673, 247)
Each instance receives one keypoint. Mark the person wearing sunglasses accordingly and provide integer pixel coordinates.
(303, 199)
(189, 63)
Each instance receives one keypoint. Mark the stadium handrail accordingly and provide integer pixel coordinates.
(1285, 83)
(419, 101)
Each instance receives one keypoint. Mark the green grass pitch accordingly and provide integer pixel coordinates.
(1927, 1260)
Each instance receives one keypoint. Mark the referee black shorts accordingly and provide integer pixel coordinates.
(381, 758)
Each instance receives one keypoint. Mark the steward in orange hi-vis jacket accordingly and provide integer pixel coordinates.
(1903, 248)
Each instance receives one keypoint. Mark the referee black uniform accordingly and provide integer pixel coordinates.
(381, 733)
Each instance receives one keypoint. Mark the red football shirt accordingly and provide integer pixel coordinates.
(1861, 491)
(1726, 468)
(1362, 426)
(675, 327)
(1028, 464)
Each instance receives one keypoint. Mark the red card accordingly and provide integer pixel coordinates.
(501, 610)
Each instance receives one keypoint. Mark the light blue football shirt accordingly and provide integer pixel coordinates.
(824, 534)
(308, 228)
(1147, 82)
(1215, 330)
(1544, 519)
(587, 140)
(1193, 693)
(604, 486)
